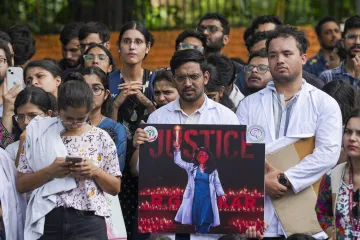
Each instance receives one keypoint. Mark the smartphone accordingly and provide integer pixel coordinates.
(73, 159)
(15, 76)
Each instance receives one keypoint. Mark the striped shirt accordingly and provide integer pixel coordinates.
(340, 73)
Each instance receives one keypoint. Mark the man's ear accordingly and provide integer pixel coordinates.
(226, 39)
(221, 93)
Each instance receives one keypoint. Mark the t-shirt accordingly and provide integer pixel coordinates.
(98, 147)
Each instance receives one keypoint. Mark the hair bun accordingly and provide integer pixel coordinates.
(73, 76)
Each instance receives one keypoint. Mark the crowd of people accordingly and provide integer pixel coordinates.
(70, 137)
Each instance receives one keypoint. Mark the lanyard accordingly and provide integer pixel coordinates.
(356, 229)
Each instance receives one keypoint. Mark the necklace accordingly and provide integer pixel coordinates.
(289, 98)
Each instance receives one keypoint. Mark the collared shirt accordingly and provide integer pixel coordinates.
(281, 111)
(316, 64)
(209, 113)
(340, 73)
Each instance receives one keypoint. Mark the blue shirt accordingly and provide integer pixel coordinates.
(339, 73)
(118, 133)
(316, 64)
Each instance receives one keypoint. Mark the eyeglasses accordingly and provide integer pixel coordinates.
(209, 28)
(3, 61)
(162, 69)
(97, 91)
(192, 77)
(183, 46)
(90, 57)
(352, 37)
(260, 68)
(20, 118)
(75, 123)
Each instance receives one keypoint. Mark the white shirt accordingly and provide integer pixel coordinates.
(314, 114)
(209, 113)
(12, 150)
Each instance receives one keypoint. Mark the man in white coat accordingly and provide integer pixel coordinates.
(191, 107)
(286, 110)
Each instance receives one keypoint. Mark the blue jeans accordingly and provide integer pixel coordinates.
(71, 224)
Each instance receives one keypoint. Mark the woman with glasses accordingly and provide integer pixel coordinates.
(69, 165)
(29, 103)
(99, 116)
(338, 204)
(98, 56)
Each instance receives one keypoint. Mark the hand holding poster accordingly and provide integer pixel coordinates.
(200, 178)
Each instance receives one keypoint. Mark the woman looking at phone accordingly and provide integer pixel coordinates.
(66, 192)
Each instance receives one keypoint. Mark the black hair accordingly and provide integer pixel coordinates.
(94, 27)
(255, 38)
(4, 46)
(261, 53)
(352, 22)
(238, 60)
(221, 18)
(47, 65)
(300, 236)
(5, 37)
(149, 38)
(75, 94)
(73, 76)
(225, 68)
(344, 94)
(190, 33)
(70, 31)
(289, 31)
(233, 236)
(164, 75)
(23, 44)
(247, 33)
(322, 22)
(188, 55)
(37, 96)
(341, 52)
(214, 84)
(106, 107)
(266, 19)
(102, 47)
(210, 164)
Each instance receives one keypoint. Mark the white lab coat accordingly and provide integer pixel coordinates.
(184, 214)
(314, 114)
(212, 113)
(13, 204)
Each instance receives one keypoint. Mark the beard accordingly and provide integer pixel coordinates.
(187, 98)
(348, 50)
(214, 46)
(284, 77)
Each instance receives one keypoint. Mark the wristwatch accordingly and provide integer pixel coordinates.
(283, 180)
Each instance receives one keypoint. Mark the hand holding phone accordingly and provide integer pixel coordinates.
(15, 76)
(73, 159)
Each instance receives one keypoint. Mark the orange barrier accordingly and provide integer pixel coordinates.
(163, 49)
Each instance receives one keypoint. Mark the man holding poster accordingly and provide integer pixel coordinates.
(192, 106)
(287, 110)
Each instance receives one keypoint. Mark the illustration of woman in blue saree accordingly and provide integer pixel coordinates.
(199, 205)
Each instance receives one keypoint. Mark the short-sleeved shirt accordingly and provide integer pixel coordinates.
(317, 64)
(340, 73)
(98, 147)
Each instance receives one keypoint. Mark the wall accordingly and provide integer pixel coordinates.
(160, 54)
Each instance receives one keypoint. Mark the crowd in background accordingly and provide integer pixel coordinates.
(81, 105)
